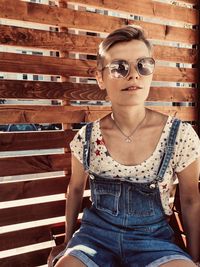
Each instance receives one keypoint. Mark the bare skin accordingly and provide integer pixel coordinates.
(129, 110)
(178, 263)
(69, 261)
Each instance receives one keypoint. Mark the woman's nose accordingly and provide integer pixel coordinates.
(133, 74)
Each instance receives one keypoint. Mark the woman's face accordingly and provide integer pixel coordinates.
(133, 89)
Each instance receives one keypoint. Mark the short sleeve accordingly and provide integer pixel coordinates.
(76, 145)
(187, 147)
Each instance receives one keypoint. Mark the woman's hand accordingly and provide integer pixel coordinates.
(54, 252)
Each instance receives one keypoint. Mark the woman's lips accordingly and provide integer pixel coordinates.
(132, 88)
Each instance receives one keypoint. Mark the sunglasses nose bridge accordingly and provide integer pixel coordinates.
(133, 71)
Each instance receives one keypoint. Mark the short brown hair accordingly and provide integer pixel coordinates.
(124, 34)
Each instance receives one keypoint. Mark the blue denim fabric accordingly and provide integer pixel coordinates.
(126, 225)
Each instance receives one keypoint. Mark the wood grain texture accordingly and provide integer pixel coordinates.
(63, 41)
(33, 188)
(89, 21)
(74, 91)
(25, 237)
(35, 164)
(183, 113)
(18, 63)
(49, 114)
(50, 90)
(31, 259)
(35, 140)
(173, 94)
(146, 8)
(32, 212)
(36, 212)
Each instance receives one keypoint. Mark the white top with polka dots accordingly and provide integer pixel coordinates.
(187, 150)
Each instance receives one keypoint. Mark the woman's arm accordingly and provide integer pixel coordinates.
(74, 196)
(190, 206)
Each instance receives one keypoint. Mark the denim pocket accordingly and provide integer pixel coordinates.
(141, 201)
(106, 197)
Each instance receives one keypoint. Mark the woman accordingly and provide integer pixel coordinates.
(131, 156)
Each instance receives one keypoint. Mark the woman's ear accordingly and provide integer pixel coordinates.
(99, 79)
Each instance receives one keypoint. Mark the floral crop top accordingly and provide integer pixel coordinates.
(187, 150)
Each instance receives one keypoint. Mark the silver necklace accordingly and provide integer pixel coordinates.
(128, 138)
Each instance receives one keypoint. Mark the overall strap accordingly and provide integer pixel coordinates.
(168, 150)
(86, 146)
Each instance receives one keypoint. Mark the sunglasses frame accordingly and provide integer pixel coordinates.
(129, 64)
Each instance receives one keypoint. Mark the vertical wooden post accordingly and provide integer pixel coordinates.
(64, 54)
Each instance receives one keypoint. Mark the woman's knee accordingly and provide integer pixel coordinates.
(69, 261)
(178, 263)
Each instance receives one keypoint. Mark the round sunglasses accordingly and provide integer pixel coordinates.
(120, 68)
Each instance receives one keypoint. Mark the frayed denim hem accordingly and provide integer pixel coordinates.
(82, 257)
(76, 253)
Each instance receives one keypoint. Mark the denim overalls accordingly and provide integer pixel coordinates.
(126, 225)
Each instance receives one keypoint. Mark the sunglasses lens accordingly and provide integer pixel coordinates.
(145, 66)
(119, 68)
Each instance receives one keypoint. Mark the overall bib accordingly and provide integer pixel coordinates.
(126, 225)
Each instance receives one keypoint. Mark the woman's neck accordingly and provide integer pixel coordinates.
(129, 117)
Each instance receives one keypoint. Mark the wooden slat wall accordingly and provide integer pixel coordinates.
(35, 166)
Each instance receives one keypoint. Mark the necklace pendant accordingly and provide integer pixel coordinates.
(128, 140)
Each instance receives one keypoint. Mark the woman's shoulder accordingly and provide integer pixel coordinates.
(187, 130)
(157, 119)
(82, 131)
(77, 143)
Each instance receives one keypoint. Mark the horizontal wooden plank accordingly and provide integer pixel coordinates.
(175, 54)
(35, 140)
(167, 33)
(39, 114)
(32, 212)
(146, 8)
(36, 114)
(175, 74)
(35, 164)
(89, 21)
(35, 13)
(173, 94)
(33, 188)
(36, 212)
(64, 41)
(11, 62)
(31, 259)
(25, 237)
(50, 90)
(74, 91)
(183, 113)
